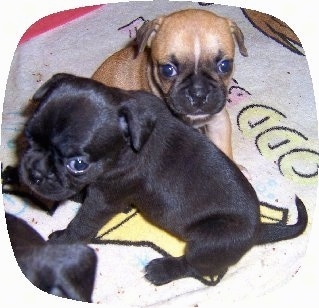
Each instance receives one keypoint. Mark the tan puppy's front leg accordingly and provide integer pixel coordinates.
(219, 131)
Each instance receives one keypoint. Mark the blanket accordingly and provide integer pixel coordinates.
(273, 113)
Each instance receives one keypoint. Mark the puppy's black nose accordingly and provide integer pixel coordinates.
(197, 96)
(36, 177)
(198, 92)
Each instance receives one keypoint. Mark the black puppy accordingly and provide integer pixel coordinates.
(125, 148)
(64, 270)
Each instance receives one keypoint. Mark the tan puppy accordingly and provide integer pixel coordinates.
(186, 58)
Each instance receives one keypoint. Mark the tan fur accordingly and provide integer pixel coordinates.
(190, 35)
(124, 70)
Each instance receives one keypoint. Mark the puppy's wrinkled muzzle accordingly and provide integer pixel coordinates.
(37, 176)
(37, 171)
(197, 94)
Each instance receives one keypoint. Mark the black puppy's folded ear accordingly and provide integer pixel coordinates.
(49, 85)
(137, 123)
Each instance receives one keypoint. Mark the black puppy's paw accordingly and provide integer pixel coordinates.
(164, 270)
(67, 237)
(10, 175)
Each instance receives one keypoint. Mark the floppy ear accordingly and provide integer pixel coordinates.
(239, 38)
(146, 33)
(137, 123)
(49, 85)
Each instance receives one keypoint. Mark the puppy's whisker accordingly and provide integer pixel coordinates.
(191, 100)
(206, 99)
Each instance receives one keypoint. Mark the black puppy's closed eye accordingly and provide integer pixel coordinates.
(77, 165)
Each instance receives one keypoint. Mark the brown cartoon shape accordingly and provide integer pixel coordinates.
(275, 29)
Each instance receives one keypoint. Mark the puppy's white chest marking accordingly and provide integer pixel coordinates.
(197, 51)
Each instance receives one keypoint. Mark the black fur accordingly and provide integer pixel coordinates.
(135, 152)
(64, 270)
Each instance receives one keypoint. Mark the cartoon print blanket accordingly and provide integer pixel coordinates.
(272, 109)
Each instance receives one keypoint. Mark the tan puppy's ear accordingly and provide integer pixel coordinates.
(146, 33)
(239, 37)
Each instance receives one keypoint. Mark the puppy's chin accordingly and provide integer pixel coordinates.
(50, 194)
(48, 191)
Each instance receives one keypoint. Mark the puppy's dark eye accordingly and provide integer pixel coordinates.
(168, 70)
(77, 165)
(224, 66)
